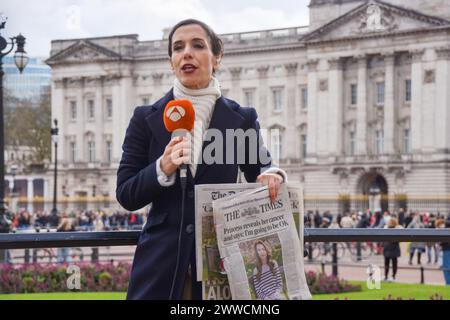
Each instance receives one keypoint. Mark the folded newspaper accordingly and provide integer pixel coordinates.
(260, 247)
(209, 265)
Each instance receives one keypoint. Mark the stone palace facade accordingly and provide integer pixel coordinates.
(360, 101)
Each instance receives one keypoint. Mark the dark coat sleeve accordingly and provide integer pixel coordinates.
(137, 183)
(252, 169)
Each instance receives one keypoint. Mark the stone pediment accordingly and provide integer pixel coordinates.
(83, 51)
(374, 17)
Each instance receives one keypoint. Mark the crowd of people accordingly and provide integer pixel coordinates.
(102, 220)
(397, 219)
(86, 220)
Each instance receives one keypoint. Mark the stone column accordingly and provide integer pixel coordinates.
(335, 107)
(361, 113)
(389, 112)
(416, 101)
(290, 135)
(81, 122)
(100, 113)
(312, 109)
(263, 95)
(30, 194)
(235, 93)
(442, 114)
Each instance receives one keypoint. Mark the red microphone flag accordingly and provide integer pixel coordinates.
(179, 114)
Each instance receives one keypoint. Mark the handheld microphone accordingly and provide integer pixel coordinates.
(179, 118)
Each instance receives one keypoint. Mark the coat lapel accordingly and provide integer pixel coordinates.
(224, 117)
(156, 123)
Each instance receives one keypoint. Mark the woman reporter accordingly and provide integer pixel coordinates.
(148, 171)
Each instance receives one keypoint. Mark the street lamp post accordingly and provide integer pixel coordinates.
(54, 133)
(21, 60)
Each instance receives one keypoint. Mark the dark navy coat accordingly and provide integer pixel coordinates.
(137, 186)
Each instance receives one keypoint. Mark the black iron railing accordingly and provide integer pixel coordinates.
(126, 238)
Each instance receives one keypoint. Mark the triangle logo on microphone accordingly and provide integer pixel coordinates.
(175, 113)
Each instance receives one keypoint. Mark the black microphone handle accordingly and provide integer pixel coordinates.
(183, 167)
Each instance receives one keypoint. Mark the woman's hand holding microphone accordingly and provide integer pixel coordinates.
(177, 152)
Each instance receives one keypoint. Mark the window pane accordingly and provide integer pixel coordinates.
(379, 142)
(248, 95)
(380, 93)
(72, 151)
(91, 109)
(352, 143)
(354, 94)
(73, 110)
(277, 99)
(406, 141)
(304, 98)
(109, 151)
(109, 108)
(276, 145)
(304, 140)
(408, 90)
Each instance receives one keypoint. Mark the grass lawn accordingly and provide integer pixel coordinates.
(406, 291)
(65, 296)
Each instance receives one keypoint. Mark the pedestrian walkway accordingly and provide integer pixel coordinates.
(350, 270)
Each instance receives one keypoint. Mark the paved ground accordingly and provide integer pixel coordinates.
(350, 270)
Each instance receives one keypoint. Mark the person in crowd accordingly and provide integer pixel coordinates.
(432, 246)
(391, 252)
(445, 248)
(347, 221)
(65, 226)
(416, 246)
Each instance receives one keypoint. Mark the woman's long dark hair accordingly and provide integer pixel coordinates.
(259, 262)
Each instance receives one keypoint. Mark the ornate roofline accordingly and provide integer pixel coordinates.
(378, 35)
(58, 57)
(360, 9)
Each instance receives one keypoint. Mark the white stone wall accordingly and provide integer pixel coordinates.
(326, 69)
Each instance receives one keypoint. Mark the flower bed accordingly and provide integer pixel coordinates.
(36, 278)
(33, 278)
(320, 283)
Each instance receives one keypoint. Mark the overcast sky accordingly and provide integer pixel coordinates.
(46, 20)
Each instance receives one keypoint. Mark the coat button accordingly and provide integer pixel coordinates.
(189, 228)
(191, 194)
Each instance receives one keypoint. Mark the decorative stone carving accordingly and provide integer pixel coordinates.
(323, 84)
(430, 76)
(389, 58)
(263, 70)
(312, 64)
(75, 82)
(443, 53)
(157, 78)
(417, 55)
(291, 68)
(235, 73)
(335, 63)
(376, 19)
(60, 83)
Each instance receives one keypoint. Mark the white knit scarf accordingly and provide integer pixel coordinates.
(204, 101)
